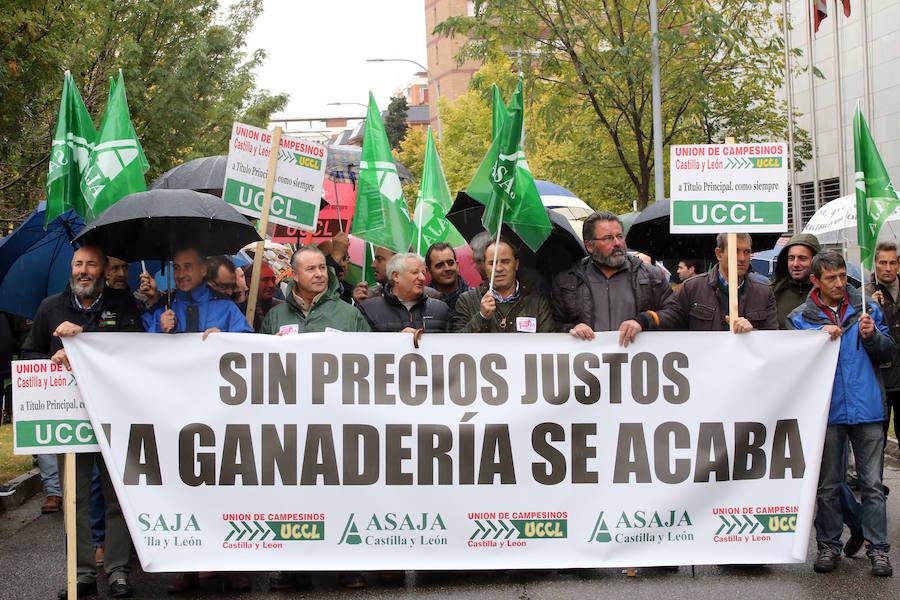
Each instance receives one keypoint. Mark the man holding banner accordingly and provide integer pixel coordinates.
(510, 307)
(856, 412)
(88, 304)
(609, 290)
(702, 302)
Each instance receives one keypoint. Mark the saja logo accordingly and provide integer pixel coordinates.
(642, 526)
(175, 529)
(395, 529)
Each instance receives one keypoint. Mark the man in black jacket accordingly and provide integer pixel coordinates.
(87, 304)
(404, 306)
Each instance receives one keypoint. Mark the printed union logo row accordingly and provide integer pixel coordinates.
(488, 529)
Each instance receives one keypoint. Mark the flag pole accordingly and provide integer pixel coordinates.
(839, 98)
(814, 130)
(497, 245)
(789, 92)
(867, 81)
(862, 266)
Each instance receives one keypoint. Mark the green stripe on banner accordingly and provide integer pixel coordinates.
(715, 212)
(244, 195)
(69, 432)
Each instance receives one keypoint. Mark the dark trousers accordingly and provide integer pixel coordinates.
(117, 548)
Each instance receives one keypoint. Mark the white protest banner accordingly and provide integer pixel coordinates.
(341, 451)
(737, 188)
(49, 416)
(297, 189)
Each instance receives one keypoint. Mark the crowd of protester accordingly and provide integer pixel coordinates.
(609, 290)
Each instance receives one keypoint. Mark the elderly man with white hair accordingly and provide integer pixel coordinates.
(404, 306)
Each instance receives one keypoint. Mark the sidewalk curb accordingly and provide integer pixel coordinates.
(24, 487)
(892, 453)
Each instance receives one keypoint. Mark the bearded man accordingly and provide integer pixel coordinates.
(610, 290)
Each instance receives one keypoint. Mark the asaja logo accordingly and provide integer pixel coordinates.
(601, 531)
(643, 526)
(395, 529)
(167, 523)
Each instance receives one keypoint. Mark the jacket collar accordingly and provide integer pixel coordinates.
(199, 294)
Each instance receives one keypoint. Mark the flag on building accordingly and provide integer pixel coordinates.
(504, 185)
(876, 198)
(73, 140)
(820, 11)
(117, 163)
(432, 205)
(381, 216)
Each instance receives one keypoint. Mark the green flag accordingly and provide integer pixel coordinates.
(381, 216)
(875, 195)
(73, 140)
(117, 164)
(498, 111)
(432, 205)
(504, 185)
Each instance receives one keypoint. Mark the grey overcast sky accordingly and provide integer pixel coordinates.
(318, 50)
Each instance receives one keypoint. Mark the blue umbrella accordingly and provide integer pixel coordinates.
(35, 263)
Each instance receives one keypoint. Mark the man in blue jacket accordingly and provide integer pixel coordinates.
(856, 413)
(195, 308)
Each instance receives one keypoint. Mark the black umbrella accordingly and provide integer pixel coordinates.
(557, 253)
(156, 223)
(649, 233)
(207, 174)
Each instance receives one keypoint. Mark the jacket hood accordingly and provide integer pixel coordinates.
(803, 239)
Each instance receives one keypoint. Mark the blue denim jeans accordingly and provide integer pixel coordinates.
(867, 442)
(49, 474)
(98, 508)
(850, 506)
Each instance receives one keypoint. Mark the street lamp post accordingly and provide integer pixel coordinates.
(437, 84)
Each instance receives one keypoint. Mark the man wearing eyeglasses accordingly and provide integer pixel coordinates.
(221, 276)
(440, 261)
(610, 290)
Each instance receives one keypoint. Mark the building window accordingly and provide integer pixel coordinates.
(829, 189)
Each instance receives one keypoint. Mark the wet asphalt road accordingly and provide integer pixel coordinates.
(32, 566)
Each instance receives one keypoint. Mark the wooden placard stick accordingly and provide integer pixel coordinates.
(732, 272)
(263, 225)
(71, 535)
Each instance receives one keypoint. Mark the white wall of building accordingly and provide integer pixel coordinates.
(884, 61)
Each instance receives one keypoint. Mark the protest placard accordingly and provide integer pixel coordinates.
(297, 187)
(738, 188)
(49, 416)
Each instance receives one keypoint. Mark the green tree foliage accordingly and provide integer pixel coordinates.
(588, 63)
(395, 121)
(187, 75)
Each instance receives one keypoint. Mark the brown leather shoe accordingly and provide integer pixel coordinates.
(51, 505)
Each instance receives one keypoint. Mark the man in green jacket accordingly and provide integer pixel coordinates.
(791, 285)
(314, 303)
(511, 307)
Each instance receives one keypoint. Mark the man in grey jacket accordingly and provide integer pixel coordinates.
(610, 290)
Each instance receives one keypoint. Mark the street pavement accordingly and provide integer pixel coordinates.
(32, 566)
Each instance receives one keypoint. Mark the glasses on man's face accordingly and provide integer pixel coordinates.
(225, 288)
(608, 239)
